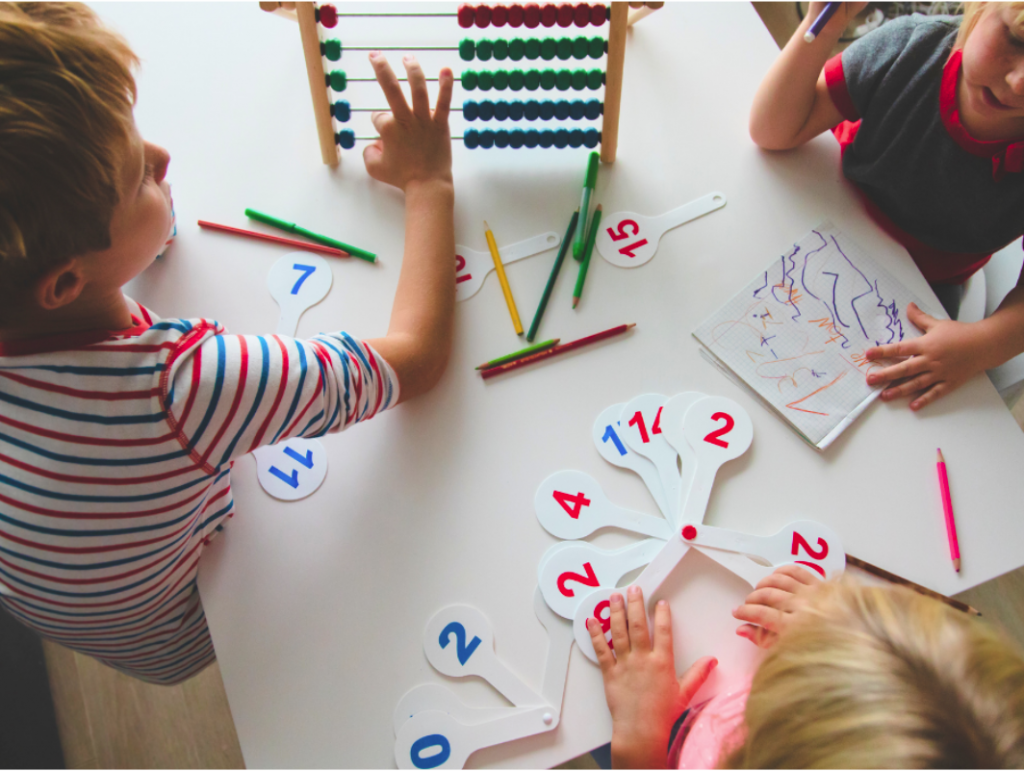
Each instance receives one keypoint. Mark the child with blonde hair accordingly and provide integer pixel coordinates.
(118, 429)
(929, 113)
(856, 677)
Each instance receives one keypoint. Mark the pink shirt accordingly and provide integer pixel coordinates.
(711, 730)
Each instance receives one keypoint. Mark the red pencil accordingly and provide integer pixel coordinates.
(571, 346)
(309, 247)
(947, 508)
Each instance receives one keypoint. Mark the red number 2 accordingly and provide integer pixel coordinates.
(618, 236)
(713, 437)
(573, 504)
(800, 542)
(590, 579)
(460, 263)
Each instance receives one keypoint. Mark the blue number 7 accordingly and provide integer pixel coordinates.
(307, 271)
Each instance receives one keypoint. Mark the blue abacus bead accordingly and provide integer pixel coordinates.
(561, 138)
(547, 110)
(516, 138)
(341, 110)
(487, 139)
(337, 80)
(501, 110)
(486, 109)
(576, 138)
(547, 138)
(471, 139)
(591, 138)
(561, 109)
(531, 110)
(501, 138)
(515, 110)
(577, 109)
(532, 138)
(346, 138)
(470, 110)
(594, 109)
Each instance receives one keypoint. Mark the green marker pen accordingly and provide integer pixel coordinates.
(588, 188)
(291, 227)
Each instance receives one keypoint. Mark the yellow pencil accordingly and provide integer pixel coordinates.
(500, 268)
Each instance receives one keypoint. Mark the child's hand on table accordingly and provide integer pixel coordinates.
(946, 356)
(644, 695)
(770, 608)
(415, 143)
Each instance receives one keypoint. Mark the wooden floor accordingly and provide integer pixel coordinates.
(109, 720)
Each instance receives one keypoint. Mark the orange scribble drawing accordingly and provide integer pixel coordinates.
(752, 354)
(792, 406)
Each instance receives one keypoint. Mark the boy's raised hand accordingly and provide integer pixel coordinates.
(644, 695)
(770, 608)
(415, 143)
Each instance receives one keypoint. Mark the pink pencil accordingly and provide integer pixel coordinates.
(947, 507)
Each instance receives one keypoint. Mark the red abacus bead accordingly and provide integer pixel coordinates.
(467, 15)
(328, 15)
(598, 15)
(515, 16)
(689, 532)
(548, 15)
(531, 15)
(566, 13)
(483, 16)
(581, 15)
(499, 15)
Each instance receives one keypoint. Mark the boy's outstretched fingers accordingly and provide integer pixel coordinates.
(417, 87)
(639, 638)
(771, 605)
(605, 657)
(390, 86)
(619, 626)
(695, 677)
(446, 83)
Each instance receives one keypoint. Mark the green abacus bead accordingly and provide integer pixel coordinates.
(332, 49)
(595, 79)
(596, 45)
(532, 48)
(548, 49)
(579, 80)
(516, 80)
(516, 49)
(580, 48)
(467, 50)
(501, 49)
(547, 79)
(565, 48)
(338, 80)
(485, 80)
(532, 80)
(469, 80)
(500, 80)
(563, 80)
(484, 49)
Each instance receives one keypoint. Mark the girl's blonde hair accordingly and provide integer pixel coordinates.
(972, 13)
(66, 98)
(885, 678)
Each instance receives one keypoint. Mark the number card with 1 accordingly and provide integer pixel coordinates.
(297, 281)
(472, 267)
(641, 422)
(610, 444)
(672, 415)
(292, 469)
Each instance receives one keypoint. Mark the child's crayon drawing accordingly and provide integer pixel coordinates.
(797, 334)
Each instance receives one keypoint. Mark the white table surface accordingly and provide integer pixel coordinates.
(317, 608)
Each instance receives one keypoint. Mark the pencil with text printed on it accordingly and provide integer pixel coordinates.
(947, 510)
(521, 354)
(588, 250)
(558, 349)
(573, 224)
(499, 268)
(867, 567)
(274, 239)
(819, 24)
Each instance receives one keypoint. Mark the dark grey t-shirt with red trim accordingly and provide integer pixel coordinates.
(904, 158)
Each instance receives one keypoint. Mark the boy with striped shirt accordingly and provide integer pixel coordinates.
(118, 429)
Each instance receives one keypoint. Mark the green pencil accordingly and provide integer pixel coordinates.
(291, 227)
(587, 251)
(520, 354)
(551, 279)
(589, 183)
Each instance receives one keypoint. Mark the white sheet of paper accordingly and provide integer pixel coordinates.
(292, 469)
(472, 266)
(610, 444)
(641, 429)
(297, 281)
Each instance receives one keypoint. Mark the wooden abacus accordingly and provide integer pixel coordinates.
(531, 15)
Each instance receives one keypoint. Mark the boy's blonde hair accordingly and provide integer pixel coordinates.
(66, 98)
(972, 14)
(885, 678)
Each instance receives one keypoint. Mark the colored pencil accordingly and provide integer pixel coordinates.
(571, 346)
(819, 24)
(551, 279)
(499, 267)
(589, 183)
(587, 251)
(275, 239)
(520, 354)
(291, 227)
(895, 579)
(947, 508)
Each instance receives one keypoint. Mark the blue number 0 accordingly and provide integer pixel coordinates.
(444, 751)
(307, 271)
(609, 433)
(462, 650)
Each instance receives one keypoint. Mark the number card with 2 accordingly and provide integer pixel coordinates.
(472, 267)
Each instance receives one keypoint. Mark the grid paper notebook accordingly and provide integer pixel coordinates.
(796, 335)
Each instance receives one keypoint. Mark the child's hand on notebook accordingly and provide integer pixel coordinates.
(770, 608)
(946, 356)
